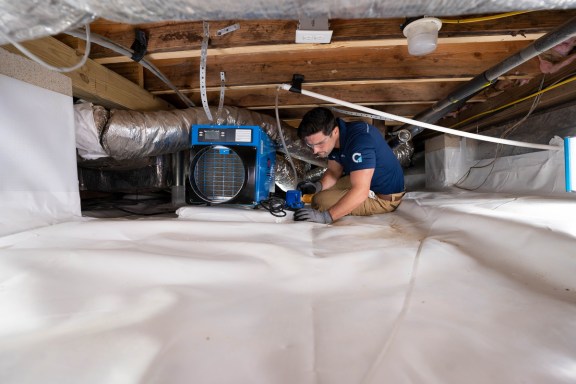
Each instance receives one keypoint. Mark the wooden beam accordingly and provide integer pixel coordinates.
(374, 94)
(388, 82)
(351, 64)
(94, 82)
(318, 48)
(187, 35)
(473, 118)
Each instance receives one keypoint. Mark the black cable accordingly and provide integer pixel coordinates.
(274, 205)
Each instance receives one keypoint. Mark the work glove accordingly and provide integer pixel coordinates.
(309, 214)
(309, 187)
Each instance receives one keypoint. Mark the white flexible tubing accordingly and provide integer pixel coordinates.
(279, 125)
(425, 125)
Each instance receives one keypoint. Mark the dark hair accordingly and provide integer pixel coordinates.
(316, 120)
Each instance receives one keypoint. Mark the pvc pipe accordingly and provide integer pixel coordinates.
(474, 136)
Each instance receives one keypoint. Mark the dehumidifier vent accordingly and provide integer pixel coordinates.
(219, 174)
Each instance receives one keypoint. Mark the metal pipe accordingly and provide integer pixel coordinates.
(458, 97)
(178, 188)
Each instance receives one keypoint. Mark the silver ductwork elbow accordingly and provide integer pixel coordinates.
(403, 147)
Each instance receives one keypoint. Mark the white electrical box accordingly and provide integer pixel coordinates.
(313, 37)
(313, 31)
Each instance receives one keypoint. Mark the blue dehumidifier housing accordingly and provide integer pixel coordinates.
(230, 165)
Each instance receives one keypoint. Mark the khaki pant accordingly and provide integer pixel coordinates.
(323, 200)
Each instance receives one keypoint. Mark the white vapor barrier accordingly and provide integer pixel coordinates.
(38, 177)
(453, 287)
(535, 172)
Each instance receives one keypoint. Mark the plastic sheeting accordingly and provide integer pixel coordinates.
(27, 19)
(89, 121)
(38, 179)
(450, 288)
(454, 165)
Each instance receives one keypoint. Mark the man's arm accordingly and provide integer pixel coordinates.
(332, 174)
(360, 181)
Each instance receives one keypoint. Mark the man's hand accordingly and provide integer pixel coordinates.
(308, 187)
(309, 214)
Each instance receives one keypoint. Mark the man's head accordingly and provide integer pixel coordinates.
(319, 131)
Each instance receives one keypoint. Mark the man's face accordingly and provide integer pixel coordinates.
(321, 144)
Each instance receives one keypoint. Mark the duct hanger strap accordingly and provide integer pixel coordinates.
(203, 55)
(231, 28)
(221, 101)
(360, 114)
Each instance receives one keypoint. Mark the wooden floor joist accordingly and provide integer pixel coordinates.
(93, 81)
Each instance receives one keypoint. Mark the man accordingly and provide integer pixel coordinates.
(363, 176)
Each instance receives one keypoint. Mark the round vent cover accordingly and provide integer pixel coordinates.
(218, 174)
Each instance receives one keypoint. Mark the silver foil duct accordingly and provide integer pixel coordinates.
(28, 19)
(131, 134)
(138, 175)
(101, 116)
(403, 147)
(315, 174)
(404, 152)
(285, 177)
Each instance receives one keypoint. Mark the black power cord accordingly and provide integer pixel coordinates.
(275, 205)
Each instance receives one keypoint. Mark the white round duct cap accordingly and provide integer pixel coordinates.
(422, 35)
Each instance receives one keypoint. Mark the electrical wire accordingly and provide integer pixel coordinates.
(38, 60)
(540, 92)
(275, 205)
(288, 156)
(359, 114)
(483, 18)
(107, 43)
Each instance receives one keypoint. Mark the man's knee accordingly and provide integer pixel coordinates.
(320, 202)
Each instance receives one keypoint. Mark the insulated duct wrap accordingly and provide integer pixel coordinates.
(285, 178)
(404, 152)
(131, 134)
(101, 116)
(28, 19)
(137, 175)
(403, 147)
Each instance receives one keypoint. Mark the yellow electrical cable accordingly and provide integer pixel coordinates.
(516, 101)
(484, 18)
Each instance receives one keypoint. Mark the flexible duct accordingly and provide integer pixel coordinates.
(285, 178)
(403, 147)
(132, 134)
(29, 19)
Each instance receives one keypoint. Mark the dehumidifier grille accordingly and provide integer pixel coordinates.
(219, 174)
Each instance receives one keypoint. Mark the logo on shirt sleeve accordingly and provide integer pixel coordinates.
(357, 157)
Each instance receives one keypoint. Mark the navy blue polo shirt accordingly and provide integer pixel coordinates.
(362, 146)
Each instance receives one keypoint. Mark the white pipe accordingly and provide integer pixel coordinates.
(475, 136)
